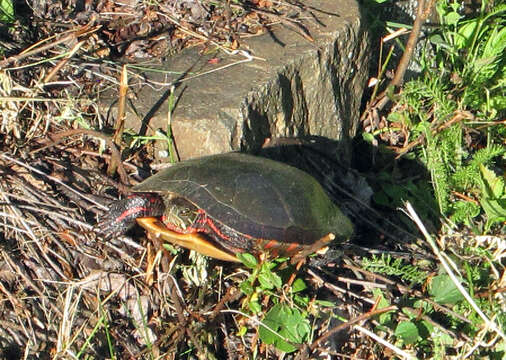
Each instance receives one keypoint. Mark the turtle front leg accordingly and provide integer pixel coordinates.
(123, 213)
(318, 246)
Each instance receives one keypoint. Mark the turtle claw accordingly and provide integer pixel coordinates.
(109, 228)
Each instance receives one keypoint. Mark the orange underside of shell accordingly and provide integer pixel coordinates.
(199, 243)
(192, 241)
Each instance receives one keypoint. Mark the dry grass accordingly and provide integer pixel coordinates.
(64, 293)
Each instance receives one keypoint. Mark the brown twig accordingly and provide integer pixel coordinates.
(406, 289)
(347, 324)
(465, 197)
(459, 115)
(306, 351)
(293, 24)
(63, 62)
(330, 286)
(120, 120)
(115, 154)
(421, 15)
(180, 313)
(119, 125)
(74, 34)
(232, 294)
(29, 282)
(52, 178)
(318, 245)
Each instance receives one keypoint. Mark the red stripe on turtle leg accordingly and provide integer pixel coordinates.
(128, 212)
(275, 247)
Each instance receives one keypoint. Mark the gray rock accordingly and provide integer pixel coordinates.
(300, 88)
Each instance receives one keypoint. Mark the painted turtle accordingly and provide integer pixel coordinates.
(224, 204)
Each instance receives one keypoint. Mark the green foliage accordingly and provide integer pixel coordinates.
(393, 193)
(160, 135)
(283, 325)
(493, 200)
(262, 274)
(407, 331)
(372, 10)
(248, 286)
(261, 280)
(464, 71)
(6, 11)
(249, 260)
(385, 264)
(471, 50)
(444, 290)
(412, 327)
(468, 177)
(414, 330)
(464, 212)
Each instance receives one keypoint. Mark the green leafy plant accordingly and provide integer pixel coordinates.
(413, 325)
(407, 331)
(284, 325)
(261, 280)
(6, 11)
(493, 200)
(474, 48)
(444, 290)
(455, 108)
(385, 264)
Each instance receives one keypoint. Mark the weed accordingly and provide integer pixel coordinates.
(284, 324)
(455, 107)
(6, 11)
(451, 119)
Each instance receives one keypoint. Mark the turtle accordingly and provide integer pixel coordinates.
(225, 204)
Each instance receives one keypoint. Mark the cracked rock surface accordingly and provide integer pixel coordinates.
(292, 87)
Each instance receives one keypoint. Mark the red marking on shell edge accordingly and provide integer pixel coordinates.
(210, 223)
(270, 244)
(129, 212)
(291, 248)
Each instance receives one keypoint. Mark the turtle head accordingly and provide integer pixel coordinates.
(179, 213)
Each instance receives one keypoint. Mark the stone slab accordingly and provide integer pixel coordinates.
(294, 87)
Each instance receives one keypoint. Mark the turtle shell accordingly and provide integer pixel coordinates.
(254, 196)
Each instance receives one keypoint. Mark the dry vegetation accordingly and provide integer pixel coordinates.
(65, 293)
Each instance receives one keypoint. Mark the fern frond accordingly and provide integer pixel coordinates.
(394, 267)
(469, 176)
(464, 211)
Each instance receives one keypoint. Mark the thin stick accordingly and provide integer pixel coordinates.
(414, 216)
(347, 324)
(74, 34)
(421, 15)
(384, 343)
(116, 155)
(52, 178)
